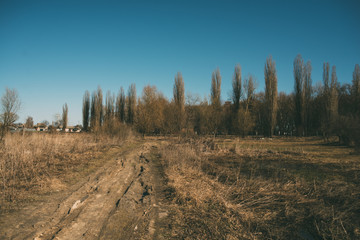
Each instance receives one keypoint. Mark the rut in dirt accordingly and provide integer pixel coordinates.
(122, 200)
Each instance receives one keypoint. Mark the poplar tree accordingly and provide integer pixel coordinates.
(356, 89)
(216, 88)
(120, 105)
(236, 88)
(94, 113)
(131, 104)
(270, 96)
(86, 111)
(99, 107)
(307, 97)
(334, 98)
(179, 100)
(65, 116)
(109, 108)
(298, 89)
(325, 123)
(215, 119)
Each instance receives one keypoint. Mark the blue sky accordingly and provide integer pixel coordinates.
(52, 51)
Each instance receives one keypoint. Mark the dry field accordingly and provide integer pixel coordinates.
(38, 164)
(100, 187)
(262, 189)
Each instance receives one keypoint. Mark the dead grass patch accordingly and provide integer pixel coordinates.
(41, 163)
(271, 189)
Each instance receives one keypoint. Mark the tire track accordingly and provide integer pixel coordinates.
(122, 200)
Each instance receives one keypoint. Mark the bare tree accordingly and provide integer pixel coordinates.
(270, 96)
(286, 114)
(57, 120)
(86, 111)
(131, 104)
(120, 105)
(99, 106)
(216, 88)
(326, 77)
(94, 114)
(29, 122)
(246, 116)
(109, 108)
(236, 87)
(232, 119)
(10, 105)
(150, 111)
(330, 101)
(65, 116)
(179, 100)
(307, 97)
(249, 89)
(215, 119)
(334, 100)
(298, 89)
(325, 123)
(356, 89)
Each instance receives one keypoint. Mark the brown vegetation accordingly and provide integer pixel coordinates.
(261, 189)
(40, 163)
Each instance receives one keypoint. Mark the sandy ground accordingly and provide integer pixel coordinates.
(122, 200)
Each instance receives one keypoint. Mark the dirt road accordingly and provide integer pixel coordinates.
(122, 200)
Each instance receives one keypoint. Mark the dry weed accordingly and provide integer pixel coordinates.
(267, 192)
(38, 162)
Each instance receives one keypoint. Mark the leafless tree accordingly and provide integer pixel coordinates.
(97, 110)
(356, 89)
(246, 114)
(86, 111)
(179, 100)
(29, 122)
(326, 100)
(286, 114)
(10, 105)
(150, 111)
(65, 116)
(94, 114)
(236, 87)
(216, 116)
(334, 100)
(249, 90)
(298, 89)
(307, 96)
(131, 104)
(99, 106)
(120, 105)
(270, 96)
(216, 88)
(330, 99)
(109, 107)
(326, 78)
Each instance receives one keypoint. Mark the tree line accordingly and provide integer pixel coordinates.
(326, 109)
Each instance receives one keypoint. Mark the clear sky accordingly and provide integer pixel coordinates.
(52, 51)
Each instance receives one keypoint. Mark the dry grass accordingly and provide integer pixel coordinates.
(40, 163)
(263, 189)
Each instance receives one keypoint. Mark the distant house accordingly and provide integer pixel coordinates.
(73, 129)
(69, 129)
(41, 127)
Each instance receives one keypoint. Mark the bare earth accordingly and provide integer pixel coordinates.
(122, 200)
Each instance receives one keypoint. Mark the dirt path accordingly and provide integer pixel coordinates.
(122, 200)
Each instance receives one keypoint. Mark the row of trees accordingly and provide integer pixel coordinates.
(309, 110)
(116, 110)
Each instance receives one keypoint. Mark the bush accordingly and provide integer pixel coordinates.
(349, 131)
